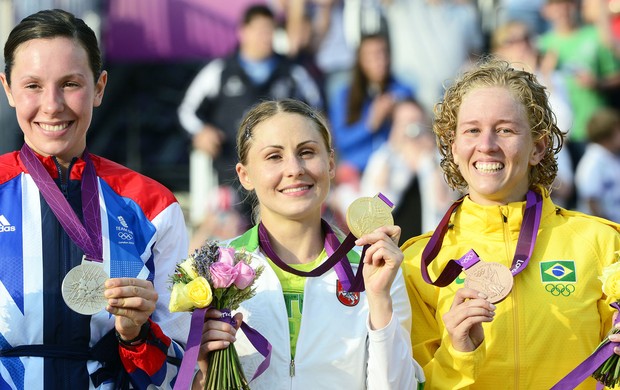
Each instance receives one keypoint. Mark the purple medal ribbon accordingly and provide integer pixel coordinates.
(186, 371)
(350, 282)
(588, 366)
(87, 236)
(523, 252)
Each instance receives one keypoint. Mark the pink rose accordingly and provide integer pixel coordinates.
(245, 275)
(222, 274)
(227, 256)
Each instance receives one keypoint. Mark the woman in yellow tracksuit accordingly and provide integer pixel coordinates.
(497, 137)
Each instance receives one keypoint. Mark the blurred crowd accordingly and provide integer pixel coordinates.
(376, 68)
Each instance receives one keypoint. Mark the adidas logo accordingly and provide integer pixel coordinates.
(5, 225)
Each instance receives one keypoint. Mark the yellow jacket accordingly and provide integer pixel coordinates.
(552, 320)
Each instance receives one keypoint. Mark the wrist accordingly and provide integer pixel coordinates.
(140, 339)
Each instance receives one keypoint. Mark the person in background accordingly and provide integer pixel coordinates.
(62, 208)
(322, 336)
(513, 41)
(361, 114)
(588, 65)
(498, 139)
(226, 88)
(406, 170)
(597, 178)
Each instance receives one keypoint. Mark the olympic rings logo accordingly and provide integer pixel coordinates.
(560, 289)
(125, 236)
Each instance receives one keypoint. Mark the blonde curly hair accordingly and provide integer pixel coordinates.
(493, 72)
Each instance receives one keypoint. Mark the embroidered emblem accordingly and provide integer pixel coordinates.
(459, 280)
(557, 289)
(558, 271)
(345, 297)
(5, 225)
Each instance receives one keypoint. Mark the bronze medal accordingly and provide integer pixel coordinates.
(366, 214)
(492, 279)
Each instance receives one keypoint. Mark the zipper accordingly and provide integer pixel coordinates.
(291, 369)
(513, 293)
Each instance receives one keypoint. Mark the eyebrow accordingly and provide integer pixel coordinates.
(299, 145)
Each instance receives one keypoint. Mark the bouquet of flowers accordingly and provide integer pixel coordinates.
(608, 373)
(221, 278)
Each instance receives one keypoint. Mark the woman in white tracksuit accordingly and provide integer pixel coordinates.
(322, 337)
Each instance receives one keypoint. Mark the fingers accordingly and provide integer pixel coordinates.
(130, 297)
(468, 308)
(383, 246)
(218, 334)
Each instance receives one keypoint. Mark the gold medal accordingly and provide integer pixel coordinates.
(83, 287)
(366, 214)
(492, 279)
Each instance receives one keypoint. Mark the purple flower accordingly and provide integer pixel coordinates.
(227, 256)
(245, 275)
(222, 274)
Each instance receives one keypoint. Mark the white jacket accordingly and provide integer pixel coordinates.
(336, 348)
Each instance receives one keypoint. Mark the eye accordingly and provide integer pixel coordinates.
(70, 84)
(307, 153)
(504, 130)
(31, 86)
(273, 156)
(473, 130)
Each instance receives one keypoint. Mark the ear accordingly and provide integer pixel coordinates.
(7, 89)
(453, 148)
(99, 88)
(538, 152)
(244, 177)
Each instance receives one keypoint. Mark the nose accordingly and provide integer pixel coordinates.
(52, 101)
(294, 166)
(487, 142)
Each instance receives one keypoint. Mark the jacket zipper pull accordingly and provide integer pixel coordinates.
(292, 368)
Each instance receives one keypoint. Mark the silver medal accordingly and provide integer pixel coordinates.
(83, 287)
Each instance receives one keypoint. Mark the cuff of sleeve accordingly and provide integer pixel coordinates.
(149, 356)
(384, 333)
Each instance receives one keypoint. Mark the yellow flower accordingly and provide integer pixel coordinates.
(188, 267)
(611, 287)
(199, 292)
(179, 300)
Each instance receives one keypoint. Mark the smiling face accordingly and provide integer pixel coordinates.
(53, 92)
(493, 146)
(289, 167)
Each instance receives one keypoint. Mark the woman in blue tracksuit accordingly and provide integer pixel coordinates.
(52, 191)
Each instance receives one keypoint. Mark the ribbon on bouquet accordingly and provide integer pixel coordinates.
(186, 371)
(588, 366)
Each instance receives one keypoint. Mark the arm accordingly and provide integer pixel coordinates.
(390, 363)
(146, 362)
(205, 85)
(444, 366)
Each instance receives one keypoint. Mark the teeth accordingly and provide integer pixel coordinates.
(489, 167)
(296, 189)
(59, 127)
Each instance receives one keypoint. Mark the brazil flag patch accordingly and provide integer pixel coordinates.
(558, 271)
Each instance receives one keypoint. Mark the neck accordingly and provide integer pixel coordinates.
(296, 242)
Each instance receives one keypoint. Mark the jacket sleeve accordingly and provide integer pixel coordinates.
(390, 362)
(206, 85)
(444, 367)
(153, 363)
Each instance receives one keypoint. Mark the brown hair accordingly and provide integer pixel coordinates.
(48, 24)
(492, 72)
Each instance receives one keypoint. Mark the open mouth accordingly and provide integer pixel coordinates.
(489, 167)
(54, 128)
(295, 189)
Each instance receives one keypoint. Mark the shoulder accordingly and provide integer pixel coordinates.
(150, 195)
(585, 226)
(9, 166)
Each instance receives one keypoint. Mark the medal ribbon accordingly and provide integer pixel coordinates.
(350, 282)
(87, 236)
(523, 252)
(337, 257)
